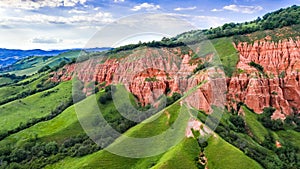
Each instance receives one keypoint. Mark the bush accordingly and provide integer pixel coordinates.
(238, 122)
(18, 155)
(51, 148)
(265, 119)
(151, 79)
(202, 66)
(44, 69)
(257, 66)
(175, 96)
(84, 150)
(102, 99)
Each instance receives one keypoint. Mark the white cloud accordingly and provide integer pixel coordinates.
(146, 6)
(216, 10)
(203, 21)
(47, 40)
(185, 9)
(27, 29)
(80, 19)
(118, 1)
(36, 4)
(243, 9)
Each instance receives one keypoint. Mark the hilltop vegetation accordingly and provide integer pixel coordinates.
(270, 21)
(278, 19)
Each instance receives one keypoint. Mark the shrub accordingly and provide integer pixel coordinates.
(265, 119)
(51, 148)
(175, 96)
(44, 69)
(151, 79)
(202, 66)
(238, 122)
(102, 99)
(18, 155)
(257, 66)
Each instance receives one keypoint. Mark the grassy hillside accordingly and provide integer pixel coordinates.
(221, 155)
(182, 156)
(274, 35)
(58, 129)
(227, 53)
(258, 131)
(24, 86)
(290, 136)
(34, 106)
(187, 150)
(277, 19)
(31, 65)
(5, 80)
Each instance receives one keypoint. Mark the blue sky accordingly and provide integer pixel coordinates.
(60, 24)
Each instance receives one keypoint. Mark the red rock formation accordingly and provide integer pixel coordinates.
(279, 87)
(149, 72)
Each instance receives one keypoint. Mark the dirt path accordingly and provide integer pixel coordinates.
(168, 116)
(198, 126)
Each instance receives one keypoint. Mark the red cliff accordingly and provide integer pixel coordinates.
(150, 72)
(278, 87)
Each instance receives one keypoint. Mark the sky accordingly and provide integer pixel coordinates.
(67, 24)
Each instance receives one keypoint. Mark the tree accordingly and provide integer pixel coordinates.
(18, 155)
(102, 99)
(51, 148)
(238, 121)
(77, 90)
(44, 69)
(257, 66)
(62, 63)
(176, 96)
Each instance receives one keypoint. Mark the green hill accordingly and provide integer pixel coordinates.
(31, 65)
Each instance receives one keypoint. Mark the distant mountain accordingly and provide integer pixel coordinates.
(10, 56)
(97, 49)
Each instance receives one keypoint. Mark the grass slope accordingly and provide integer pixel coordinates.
(257, 129)
(222, 155)
(31, 65)
(5, 80)
(34, 106)
(182, 155)
(14, 89)
(227, 53)
(290, 136)
(63, 126)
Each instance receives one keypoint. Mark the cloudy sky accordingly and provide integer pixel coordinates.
(65, 24)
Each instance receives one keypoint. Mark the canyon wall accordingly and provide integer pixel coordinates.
(277, 87)
(150, 72)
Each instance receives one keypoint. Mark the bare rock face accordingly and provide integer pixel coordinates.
(276, 58)
(278, 87)
(151, 72)
(148, 74)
